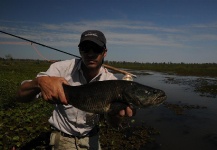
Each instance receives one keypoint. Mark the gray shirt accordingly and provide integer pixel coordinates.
(67, 118)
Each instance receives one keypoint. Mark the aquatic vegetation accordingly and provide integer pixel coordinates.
(202, 85)
(206, 87)
(20, 122)
(180, 108)
(132, 137)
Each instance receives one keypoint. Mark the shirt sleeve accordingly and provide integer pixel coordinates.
(59, 69)
(52, 71)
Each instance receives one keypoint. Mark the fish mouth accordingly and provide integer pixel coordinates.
(139, 103)
(162, 97)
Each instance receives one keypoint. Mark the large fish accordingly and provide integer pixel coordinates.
(98, 97)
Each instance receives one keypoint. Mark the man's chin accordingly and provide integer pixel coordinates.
(91, 64)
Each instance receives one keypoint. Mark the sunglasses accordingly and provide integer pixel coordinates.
(95, 49)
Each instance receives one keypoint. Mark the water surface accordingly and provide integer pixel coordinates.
(194, 129)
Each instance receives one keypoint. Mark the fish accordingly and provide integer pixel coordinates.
(99, 97)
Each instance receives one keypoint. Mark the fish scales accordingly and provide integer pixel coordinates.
(96, 97)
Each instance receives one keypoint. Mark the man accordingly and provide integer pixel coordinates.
(73, 128)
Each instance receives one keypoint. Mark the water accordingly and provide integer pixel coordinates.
(195, 129)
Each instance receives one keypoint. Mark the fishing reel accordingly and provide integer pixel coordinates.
(128, 77)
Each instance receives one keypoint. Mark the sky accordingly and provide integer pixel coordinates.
(177, 31)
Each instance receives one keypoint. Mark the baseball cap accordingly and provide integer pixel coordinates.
(95, 36)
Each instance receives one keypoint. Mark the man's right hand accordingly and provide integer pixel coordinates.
(52, 89)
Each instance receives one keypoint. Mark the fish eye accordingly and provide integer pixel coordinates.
(146, 92)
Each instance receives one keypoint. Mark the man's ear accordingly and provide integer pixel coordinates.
(105, 53)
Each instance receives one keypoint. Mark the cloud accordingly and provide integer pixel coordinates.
(122, 32)
(212, 25)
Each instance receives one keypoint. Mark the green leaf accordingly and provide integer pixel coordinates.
(16, 138)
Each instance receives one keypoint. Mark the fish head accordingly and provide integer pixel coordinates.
(143, 96)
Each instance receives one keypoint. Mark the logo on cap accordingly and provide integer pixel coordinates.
(91, 34)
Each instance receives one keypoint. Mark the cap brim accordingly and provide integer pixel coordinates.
(93, 40)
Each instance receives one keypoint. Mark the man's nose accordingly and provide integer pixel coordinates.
(91, 52)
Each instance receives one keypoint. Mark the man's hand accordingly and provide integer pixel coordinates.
(119, 114)
(52, 89)
(119, 109)
(126, 112)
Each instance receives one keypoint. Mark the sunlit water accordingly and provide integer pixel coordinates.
(195, 129)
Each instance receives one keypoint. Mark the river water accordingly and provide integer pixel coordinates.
(193, 129)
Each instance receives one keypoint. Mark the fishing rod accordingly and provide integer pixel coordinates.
(128, 76)
(39, 44)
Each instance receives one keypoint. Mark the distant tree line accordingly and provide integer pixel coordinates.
(116, 63)
(195, 69)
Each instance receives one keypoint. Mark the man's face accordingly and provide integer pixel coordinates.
(92, 55)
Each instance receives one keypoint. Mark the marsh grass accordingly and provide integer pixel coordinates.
(20, 122)
(206, 69)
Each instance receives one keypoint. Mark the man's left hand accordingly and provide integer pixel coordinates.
(126, 112)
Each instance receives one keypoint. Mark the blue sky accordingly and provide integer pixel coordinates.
(136, 30)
